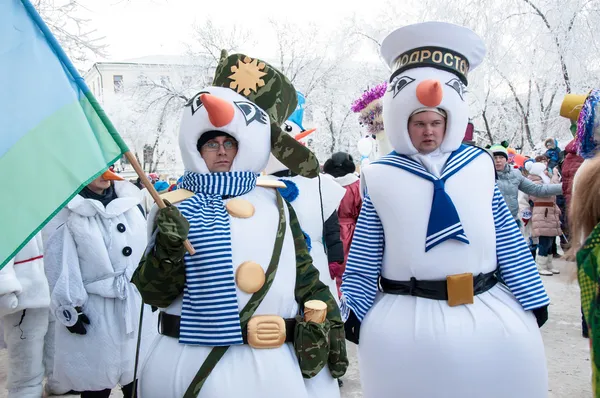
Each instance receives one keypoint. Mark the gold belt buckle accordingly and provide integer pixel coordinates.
(460, 289)
(266, 331)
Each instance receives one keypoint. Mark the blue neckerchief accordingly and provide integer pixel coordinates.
(444, 222)
(209, 314)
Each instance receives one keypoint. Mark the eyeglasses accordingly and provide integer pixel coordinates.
(213, 146)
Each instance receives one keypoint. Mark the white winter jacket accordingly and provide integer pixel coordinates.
(90, 261)
(23, 283)
(100, 249)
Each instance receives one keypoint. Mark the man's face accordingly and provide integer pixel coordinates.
(426, 131)
(99, 185)
(500, 162)
(218, 153)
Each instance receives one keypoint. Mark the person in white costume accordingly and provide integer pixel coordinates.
(89, 263)
(420, 294)
(250, 270)
(315, 201)
(370, 115)
(24, 301)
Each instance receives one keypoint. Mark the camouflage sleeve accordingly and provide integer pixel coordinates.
(160, 276)
(309, 287)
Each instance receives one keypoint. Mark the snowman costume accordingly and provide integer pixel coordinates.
(209, 320)
(432, 231)
(314, 200)
(89, 263)
(24, 301)
(370, 115)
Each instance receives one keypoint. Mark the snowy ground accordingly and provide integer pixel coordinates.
(567, 352)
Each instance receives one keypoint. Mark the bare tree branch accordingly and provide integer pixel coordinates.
(561, 57)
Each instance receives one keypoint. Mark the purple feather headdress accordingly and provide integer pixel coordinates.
(587, 123)
(370, 108)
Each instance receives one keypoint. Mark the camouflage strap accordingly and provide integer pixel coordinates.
(309, 287)
(217, 353)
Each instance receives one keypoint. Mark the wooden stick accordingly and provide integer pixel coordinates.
(159, 202)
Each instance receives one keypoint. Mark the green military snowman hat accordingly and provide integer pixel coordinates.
(268, 88)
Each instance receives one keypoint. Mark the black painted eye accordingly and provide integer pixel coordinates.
(196, 102)
(399, 83)
(287, 128)
(251, 112)
(458, 86)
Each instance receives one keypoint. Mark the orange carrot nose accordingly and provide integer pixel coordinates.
(430, 93)
(220, 112)
(305, 133)
(109, 175)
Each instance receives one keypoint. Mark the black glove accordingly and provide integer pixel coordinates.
(82, 318)
(352, 328)
(541, 315)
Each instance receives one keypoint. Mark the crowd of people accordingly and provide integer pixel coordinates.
(262, 263)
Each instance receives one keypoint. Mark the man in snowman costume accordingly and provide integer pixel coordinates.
(315, 201)
(419, 289)
(229, 319)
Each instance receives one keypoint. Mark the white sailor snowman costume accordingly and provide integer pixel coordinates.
(417, 347)
(314, 200)
(243, 371)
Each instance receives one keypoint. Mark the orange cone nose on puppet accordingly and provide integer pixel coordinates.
(109, 175)
(220, 112)
(430, 93)
(303, 134)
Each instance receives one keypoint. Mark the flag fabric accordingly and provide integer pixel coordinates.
(54, 136)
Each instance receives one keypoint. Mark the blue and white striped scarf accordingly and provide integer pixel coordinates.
(209, 315)
(444, 222)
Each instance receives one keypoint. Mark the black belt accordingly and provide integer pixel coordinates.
(168, 325)
(435, 290)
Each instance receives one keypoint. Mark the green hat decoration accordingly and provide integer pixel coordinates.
(268, 88)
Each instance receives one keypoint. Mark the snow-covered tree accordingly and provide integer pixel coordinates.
(68, 22)
(538, 50)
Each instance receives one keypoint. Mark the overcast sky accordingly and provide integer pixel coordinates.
(134, 28)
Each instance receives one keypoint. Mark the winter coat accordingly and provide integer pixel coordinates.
(349, 209)
(331, 235)
(89, 263)
(511, 181)
(23, 283)
(545, 214)
(553, 154)
(569, 168)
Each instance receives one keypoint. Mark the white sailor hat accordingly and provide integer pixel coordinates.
(433, 44)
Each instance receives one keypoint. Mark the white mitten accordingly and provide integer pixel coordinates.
(8, 303)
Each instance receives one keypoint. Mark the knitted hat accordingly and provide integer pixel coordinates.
(340, 164)
(439, 111)
(209, 135)
(161, 186)
(499, 150)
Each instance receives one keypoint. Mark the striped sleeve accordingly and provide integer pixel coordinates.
(516, 264)
(359, 283)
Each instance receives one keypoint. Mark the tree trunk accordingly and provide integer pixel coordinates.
(488, 131)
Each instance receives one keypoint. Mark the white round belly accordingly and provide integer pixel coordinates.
(243, 371)
(427, 349)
